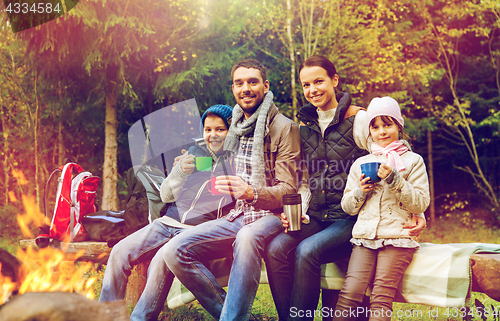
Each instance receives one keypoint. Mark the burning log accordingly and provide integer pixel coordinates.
(9, 275)
(10, 265)
(61, 306)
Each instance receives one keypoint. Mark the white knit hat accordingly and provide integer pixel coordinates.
(385, 106)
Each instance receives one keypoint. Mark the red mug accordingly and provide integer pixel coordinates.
(211, 186)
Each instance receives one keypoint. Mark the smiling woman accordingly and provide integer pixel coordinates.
(319, 87)
(331, 133)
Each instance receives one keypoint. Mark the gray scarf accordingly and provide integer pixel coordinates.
(242, 127)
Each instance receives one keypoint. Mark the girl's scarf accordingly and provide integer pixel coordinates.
(392, 152)
(242, 127)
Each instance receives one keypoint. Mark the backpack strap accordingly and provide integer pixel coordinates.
(352, 110)
(152, 184)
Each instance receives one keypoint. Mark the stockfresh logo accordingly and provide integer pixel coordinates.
(25, 14)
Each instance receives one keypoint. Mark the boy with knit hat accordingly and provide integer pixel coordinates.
(193, 204)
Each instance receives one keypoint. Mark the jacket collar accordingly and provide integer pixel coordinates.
(273, 111)
(309, 114)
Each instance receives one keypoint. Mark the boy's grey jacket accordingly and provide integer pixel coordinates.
(193, 202)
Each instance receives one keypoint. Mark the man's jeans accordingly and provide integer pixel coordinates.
(293, 263)
(140, 246)
(186, 253)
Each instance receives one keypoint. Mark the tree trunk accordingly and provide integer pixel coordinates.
(5, 161)
(60, 144)
(35, 133)
(430, 171)
(109, 172)
(291, 48)
(59, 149)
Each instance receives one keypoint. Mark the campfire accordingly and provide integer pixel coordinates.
(26, 279)
(48, 269)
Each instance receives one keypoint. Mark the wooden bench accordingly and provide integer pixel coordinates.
(98, 252)
(485, 269)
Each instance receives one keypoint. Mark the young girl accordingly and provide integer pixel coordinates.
(383, 249)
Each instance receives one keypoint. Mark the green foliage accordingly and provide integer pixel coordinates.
(169, 51)
(9, 229)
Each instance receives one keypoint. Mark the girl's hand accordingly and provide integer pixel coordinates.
(384, 170)
(416, 226)
(363, 184)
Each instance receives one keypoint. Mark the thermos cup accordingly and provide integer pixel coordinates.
(292, 207)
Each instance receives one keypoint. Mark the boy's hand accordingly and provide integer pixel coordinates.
(384, 170)
(178, 158)
(363, 184)
(187, 163)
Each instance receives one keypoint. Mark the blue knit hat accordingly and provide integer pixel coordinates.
(223, 111)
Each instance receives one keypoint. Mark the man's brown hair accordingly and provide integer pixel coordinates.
(251, 63)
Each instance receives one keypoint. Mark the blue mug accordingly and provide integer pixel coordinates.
(370, 170)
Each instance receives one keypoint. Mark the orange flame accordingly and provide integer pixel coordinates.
(48, 269)
(32, 216)
(21, 179)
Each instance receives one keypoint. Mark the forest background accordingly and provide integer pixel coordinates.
(71, 88)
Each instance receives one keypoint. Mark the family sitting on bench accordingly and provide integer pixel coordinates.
(233, 208)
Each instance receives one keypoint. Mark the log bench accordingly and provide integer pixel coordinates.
(485, 270)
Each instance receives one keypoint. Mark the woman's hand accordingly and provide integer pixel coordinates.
(285, 222)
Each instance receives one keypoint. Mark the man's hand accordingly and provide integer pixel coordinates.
(234, 186)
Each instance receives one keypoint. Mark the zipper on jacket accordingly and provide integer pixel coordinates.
(219, 210)
(198, 195)
(194, 201)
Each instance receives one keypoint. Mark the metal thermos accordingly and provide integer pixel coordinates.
(292, 207)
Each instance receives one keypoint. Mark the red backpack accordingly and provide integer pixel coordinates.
(76, 192)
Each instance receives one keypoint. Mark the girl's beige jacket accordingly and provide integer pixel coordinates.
(384, 211)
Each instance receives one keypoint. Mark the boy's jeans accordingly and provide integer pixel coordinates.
(138, 247)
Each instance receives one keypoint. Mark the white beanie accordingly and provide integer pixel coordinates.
(385, 106)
